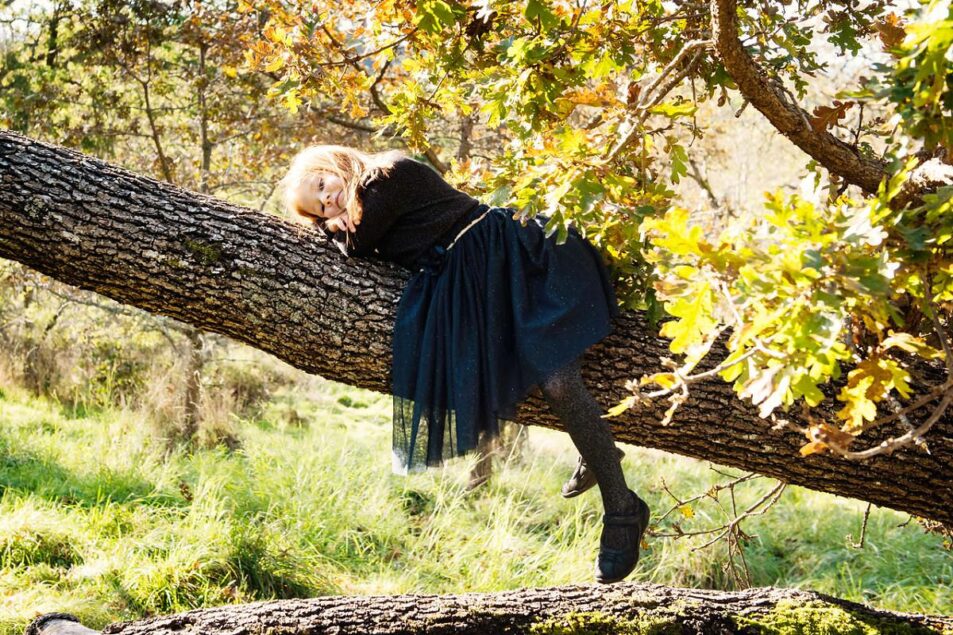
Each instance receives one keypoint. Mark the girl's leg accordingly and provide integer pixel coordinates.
(579, 412)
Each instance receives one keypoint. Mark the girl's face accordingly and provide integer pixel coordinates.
(322, 195)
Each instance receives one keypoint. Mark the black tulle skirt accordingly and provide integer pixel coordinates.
(482, 323)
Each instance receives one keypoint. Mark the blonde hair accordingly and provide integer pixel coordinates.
(355, 168)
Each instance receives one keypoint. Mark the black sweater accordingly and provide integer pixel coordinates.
(406, 213)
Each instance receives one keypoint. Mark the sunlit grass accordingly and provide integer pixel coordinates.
(96, 519)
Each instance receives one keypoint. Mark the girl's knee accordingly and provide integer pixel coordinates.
(560, 385)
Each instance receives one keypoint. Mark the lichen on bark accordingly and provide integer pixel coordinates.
(820, 618)
(596, 623)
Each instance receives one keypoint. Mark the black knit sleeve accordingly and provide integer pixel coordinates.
(383, 201)
(406, 212)
(376, 221)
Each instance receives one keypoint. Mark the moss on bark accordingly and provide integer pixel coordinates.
(819, 618)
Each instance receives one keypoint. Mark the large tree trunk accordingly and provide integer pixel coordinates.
(575, 610)
(280, 288)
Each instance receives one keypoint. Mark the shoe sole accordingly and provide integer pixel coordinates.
(576, 492)
(592, 483)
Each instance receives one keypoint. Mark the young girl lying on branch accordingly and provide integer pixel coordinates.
(494, 308)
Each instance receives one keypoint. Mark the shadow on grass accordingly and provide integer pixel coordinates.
(24, 471)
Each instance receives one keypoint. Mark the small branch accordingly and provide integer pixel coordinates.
(691, 379)
(895, 443)
(703, 183)
(156, 138)
(712, 492)
(435, 161)
(429, 152)
(940, 331)
(352, 125)
(352, 60)
(657, 90)
(760, 507)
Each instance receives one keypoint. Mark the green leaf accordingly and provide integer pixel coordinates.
(599, 68)
(679, 162)
(675, 110)
(538, 10)
(433, 15)
(806, 387)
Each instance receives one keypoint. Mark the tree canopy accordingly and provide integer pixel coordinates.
(597, 107)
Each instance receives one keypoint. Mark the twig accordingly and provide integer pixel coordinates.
(863, 530)
(684, 380)
(648, 100)
(893, 444)
(352, 60)
(762, 505)
(934, 394)
(712, 492)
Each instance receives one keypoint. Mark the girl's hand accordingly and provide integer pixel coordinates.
(340, 223)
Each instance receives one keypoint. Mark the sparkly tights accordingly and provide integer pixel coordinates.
(579, 412)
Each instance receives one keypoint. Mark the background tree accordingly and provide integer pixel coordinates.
(152, 86)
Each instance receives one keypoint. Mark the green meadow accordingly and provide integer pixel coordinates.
(98, 518)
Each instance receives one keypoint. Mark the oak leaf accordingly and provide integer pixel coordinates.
(891, 30)
(812, 448)
(827, 116)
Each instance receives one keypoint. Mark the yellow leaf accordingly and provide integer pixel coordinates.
(621, 407)
(695, 319)
(687, 511)
(230, 71)
(673, 233)
(858, 406)
(665, 380)
(276, 34)
(602, 95)
(813, 447)
(292, 101)
(275, 64)
(911, 344)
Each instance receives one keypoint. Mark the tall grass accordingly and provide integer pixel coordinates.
(98, 520)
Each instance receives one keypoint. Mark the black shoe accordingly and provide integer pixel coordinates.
(582, 479)
(614, 565)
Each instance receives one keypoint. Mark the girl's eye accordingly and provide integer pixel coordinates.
(321, 184)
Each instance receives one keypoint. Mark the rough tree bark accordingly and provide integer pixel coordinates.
(280, 288)
(622, 608)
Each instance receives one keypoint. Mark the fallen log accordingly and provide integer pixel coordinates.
(620, 608)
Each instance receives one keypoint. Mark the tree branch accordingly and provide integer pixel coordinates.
(772, 100)
(280, 288)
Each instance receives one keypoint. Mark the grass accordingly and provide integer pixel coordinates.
(96, 520)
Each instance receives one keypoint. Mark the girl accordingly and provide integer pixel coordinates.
(493, 309)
